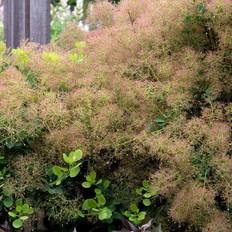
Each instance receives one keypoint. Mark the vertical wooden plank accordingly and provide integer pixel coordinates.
(7, 22)
(40, 21)
(24, 19)
(16, 21)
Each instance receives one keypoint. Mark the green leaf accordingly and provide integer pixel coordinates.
(105, 214)
(18, 223)
(147, 195)
(139, 191)
(101, 200)
(25, 208)
(24, 218)
(18, 208)
(75, 156)
(86, 185)
(142, 215)
(146, 184)
(91, 177)
(134, 208)
(58, 181)
(89, 204)
(19, 202)
(98, 191)
(127, 213)
(99, 182)
(147, 202)
(67, 159)
(58, 171)
(8, 202)
(74, 171)
(12, 214)
(106, 184)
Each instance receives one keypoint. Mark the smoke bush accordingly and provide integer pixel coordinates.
(145, 95)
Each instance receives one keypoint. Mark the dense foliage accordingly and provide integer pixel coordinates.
(147, 98)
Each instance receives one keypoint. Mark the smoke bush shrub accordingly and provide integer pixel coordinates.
(145, 95)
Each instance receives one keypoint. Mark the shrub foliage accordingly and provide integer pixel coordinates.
(147, 95)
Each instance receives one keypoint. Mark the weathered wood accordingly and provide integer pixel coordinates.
(40, 21)
(16, 22)
(26, 19)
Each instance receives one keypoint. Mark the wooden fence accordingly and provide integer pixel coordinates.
(26, 20)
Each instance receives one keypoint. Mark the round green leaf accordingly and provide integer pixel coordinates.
(134, 208)
(139, 191)
(8, 202)
(18, 223)
(105, 214)
(89, 204)
(75, 156)
(98, 191)
(146, 184)
(91, 177)
(25, 208)
(146, 202)
(101, 200)
(57, 170)
(86, 185)
(106, 184)
(127, 213)
(73, 172)
(19, 202)
(142, 215)
(18, 208)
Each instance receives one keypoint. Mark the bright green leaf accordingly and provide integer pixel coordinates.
(73, 172)
(91, 177)
(57, 170)
(98, 191)
(89, 204)
(139, 191)
(18, 208)
(142, 215)
(24, 218)
(147, 202)
(101, 200)
(75, 156)
(146, 184)
(18, 223)
(105, 214)
(147, 195)
(67, 159)
(19, 202)
(86, 185)
(25, 208)
(12, 214)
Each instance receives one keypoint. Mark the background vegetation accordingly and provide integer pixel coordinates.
(142, 109)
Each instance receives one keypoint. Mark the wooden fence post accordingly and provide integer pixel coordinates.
(40, 21)
(16, 21)
(26, 19)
